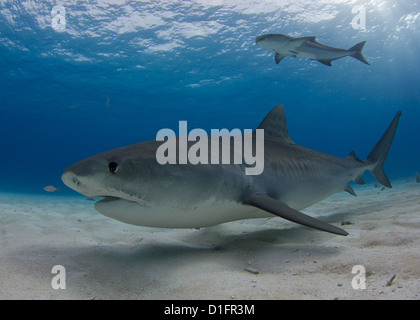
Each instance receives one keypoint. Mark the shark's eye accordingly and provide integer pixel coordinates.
(113, 167)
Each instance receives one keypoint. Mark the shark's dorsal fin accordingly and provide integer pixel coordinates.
(275, 126)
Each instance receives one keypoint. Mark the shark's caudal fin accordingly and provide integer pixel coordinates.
(380, 152)
(357, 52)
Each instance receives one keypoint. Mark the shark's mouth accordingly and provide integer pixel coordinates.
(108, 199)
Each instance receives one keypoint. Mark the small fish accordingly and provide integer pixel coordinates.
(51, 188)
(76, 105)
(107, 102)
(417, 177)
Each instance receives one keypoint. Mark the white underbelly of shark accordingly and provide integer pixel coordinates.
(204, 214)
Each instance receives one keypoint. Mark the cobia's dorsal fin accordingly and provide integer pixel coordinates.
(275, 126)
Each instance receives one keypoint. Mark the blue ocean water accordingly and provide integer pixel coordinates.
(115, 72)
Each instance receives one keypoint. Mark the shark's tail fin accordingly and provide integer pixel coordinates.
(357, 52)
(380, 152)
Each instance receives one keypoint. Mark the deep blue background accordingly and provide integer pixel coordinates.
(160, 62)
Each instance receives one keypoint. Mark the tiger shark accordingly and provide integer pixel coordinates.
(306, 47)
(137, 190)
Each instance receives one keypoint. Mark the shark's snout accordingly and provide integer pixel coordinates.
(265, 41)
(89, 178)
(76, 178)
(70, 179)
(83, 185)
(81, 177)
(260, 38)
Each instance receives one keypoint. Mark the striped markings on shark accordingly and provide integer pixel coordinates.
(136, 189)
(307, 47)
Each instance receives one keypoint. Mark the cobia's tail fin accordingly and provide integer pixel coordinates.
(380, 152)
(357, 52)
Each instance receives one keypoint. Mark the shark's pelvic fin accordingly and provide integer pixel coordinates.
(380, 152)
(350, 190)
(282, 210)
(275, 125)
(359, 179)
(326, 62)
(278, 57)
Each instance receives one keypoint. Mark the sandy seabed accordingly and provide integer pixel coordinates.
(252, 259)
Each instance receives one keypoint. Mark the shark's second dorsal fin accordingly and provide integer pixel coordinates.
(275, 126)
(352, 155)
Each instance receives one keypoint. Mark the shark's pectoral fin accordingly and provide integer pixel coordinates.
(278, 57)
(282, 210)
(326, 62)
